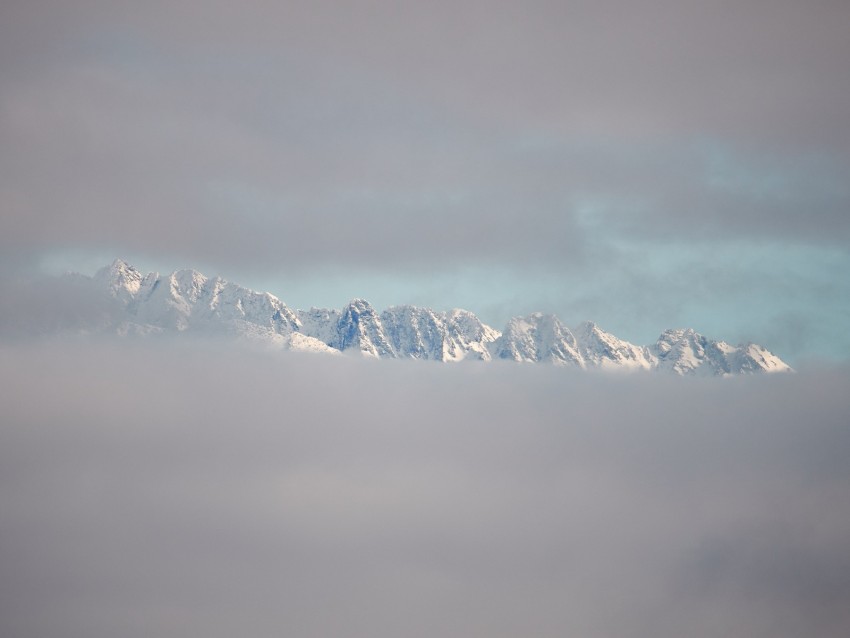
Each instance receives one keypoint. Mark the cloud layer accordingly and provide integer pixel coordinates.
(387, 135)
(183, 491)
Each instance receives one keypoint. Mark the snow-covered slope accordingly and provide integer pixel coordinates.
(186, 300)
(538, 337)
(688, 352)
(601, 349)
(422, 333)
(320, 323)
(360, 328)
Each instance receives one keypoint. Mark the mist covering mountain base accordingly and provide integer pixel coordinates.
(165, 488)
(188, 302)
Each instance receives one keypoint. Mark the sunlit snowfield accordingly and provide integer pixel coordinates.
(184, 491)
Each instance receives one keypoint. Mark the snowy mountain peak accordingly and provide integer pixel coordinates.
(538, 337)
(360, 328)
(117, 268)
(358, 306)
(685, 351)
(752, 357)
(187, 300)
(118, 265)
(422, 333)
(189, 284)
(603, 350)
(122, 281)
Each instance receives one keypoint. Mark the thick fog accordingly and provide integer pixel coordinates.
(188, 491)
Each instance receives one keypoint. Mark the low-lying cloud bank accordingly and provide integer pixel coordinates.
(181, 491)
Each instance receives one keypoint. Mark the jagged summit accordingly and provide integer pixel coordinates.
(122, 280)
(118, 265)
(603, 350)
(360, 328)
(187, 300)
(423, 333)
(539, 337)
(685, 351)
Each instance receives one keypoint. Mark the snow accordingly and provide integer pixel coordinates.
(422, 333)
(603, 350)
(186, 300)
(536, 338)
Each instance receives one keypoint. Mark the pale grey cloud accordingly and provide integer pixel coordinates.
(186, 491)
(394, 135)
(36, 307)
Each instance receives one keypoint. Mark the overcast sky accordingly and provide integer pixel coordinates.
(670, 164)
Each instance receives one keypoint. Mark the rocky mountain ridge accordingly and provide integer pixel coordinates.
(186, 300)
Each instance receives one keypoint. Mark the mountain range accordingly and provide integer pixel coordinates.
(186, 301)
